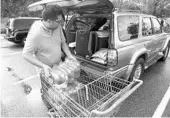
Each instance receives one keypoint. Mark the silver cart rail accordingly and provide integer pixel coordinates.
(91, 95)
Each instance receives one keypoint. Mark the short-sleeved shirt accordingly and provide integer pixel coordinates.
(45, 44)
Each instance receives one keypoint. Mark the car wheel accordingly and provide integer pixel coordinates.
(23, 40)
(165, 54)
(138, 70)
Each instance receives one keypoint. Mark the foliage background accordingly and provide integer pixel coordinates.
(15, 8)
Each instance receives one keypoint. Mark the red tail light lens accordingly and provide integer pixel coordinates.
(112, 57)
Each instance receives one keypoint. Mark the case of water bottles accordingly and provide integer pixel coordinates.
(65, 72)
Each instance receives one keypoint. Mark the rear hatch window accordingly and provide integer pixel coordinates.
(23, 24)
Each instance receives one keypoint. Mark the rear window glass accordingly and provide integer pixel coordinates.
(156, 26)
(23, 23)
(146, 27)
(128, 27)
(90, 23)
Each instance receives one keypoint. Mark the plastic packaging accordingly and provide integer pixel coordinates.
(77, 69)
(68, 70)
(65, 72)
(101, 54)
(75, 66)
(59, 76)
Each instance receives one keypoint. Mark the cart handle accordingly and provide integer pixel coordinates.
(126, 95)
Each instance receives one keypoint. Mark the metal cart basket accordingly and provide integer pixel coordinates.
(92, 94)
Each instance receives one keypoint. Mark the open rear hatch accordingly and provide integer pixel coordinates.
(77, 5)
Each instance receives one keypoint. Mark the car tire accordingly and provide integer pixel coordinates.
(165, 54)
(138, 69)
(23, 40)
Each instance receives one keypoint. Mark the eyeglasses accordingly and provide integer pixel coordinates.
(58, 21)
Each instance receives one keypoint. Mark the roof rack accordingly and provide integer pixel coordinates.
(127, 10)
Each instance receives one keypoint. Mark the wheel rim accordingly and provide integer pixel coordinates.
(166, 52)
(138, 72)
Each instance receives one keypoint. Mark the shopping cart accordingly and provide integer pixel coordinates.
(92, 94)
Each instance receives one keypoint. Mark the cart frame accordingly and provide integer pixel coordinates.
(101, 96)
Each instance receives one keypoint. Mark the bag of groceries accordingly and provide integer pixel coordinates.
(100, 56)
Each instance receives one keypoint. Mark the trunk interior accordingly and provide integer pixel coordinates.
(88, 34)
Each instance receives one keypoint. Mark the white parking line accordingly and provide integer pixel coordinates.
(10, 54)
(161, 107)
(28, 78)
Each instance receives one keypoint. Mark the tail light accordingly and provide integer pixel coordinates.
(9, 32)
(112, 57)
(12, 31)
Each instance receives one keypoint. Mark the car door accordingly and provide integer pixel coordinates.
(159, 36)
(148, 36)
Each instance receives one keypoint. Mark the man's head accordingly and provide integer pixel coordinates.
(52, 15)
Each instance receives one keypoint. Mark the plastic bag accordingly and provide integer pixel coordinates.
(101, 54)
(99, 60)
(59, 75)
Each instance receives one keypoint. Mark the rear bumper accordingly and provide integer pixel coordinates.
(10, 38)
(123, 72)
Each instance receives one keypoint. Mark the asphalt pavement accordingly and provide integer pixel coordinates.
(16, 103)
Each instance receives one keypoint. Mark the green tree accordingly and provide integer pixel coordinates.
(154, 7)
(14, 8)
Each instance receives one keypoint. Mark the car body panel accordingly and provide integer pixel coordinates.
(130, 51)
(18, 26)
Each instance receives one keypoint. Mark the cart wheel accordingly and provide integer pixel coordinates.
(41, 91)
(27, 88)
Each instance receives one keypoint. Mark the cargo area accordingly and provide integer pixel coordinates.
(87, 35)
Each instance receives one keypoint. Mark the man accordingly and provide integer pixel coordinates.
(45, 41)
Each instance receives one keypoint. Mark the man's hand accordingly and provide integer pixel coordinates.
(71, 57)
(47, 71)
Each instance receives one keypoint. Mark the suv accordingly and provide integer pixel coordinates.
(128, 42)
(17, 28)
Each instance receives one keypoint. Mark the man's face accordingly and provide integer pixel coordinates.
(54, 24)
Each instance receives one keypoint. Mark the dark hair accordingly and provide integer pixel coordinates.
(51, 12)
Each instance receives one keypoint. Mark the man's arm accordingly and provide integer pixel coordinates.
(30, 48)
(30, 58)
(66, 49)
